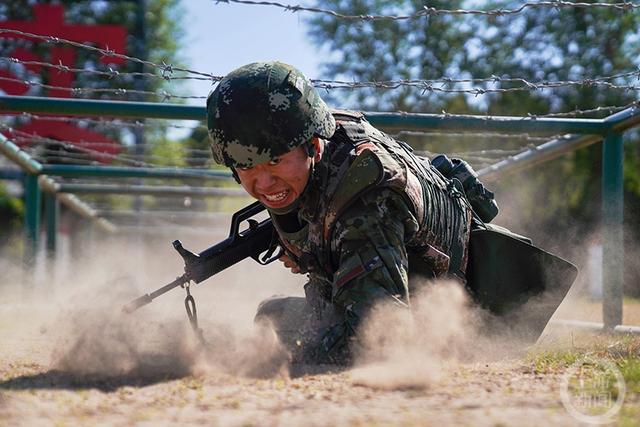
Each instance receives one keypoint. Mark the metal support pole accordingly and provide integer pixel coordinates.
(612, 231)
(52, 215)
(130, 172)
(32, 218)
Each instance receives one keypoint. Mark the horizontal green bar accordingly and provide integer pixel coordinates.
(128, 172)
(152, 190)
(386, 121)
(99, 108)
(395, 122)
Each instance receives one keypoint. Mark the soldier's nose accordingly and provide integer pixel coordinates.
(264, 180)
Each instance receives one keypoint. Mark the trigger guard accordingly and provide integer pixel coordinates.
(260, 260)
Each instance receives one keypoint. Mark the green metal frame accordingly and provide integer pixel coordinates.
(612, 233)
(52, 215)
(586, 132)
(152, 190)
(131, 172)
(387, 121)
(32, 196)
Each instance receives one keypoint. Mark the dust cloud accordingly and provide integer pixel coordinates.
(75, 315)
(417, 349)
(72, 319)
(105, 342)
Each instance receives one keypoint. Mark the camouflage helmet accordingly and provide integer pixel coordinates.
(264, 110)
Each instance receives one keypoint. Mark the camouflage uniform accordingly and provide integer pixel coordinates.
(370, 209)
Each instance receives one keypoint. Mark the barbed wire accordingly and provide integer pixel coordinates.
(167, 96)
(89, 148)
(21, 136)
(110, 74)
(429, 85)
(90, 157)
(572, 113)
(117, 123)
(440, 134)
(431, 11)
(166, 69)
(425, 85)
(578, 112)
(164, 95)
(85, 155)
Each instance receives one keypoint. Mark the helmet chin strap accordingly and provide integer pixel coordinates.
(235, 175)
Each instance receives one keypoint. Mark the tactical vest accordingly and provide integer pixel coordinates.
(357, 159)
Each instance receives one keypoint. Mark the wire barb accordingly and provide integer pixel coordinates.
(426, 11)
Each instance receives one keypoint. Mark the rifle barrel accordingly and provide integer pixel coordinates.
(147, 298)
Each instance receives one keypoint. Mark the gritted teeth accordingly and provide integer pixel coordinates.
(276, 197)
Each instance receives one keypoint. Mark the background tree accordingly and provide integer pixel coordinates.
(389, 50)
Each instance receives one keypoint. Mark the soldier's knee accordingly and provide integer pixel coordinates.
(270, 307)
(280, 310)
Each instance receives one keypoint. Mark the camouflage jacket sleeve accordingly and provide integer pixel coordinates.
(368, 248)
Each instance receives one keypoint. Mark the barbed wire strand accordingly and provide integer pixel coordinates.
(166, 69)
(431, 11)
(119, 123)
(90, 158)
(110, 74)
(86, 158)
(167, 96)
(164, 95)
(440, 134)
(472, 156)
(21, 136)
(133, 160)
(116, 123)
(423, 84)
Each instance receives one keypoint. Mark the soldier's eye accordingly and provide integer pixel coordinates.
(275, 161)
(244, 168)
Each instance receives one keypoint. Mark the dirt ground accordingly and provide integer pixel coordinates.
(506, 393)
(68, 356)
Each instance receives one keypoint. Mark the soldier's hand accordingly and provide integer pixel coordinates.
(290, 264)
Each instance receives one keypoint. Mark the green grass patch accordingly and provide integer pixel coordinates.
(629, 416)
(623, 351)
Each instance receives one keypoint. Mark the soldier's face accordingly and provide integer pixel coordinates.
(278, 183)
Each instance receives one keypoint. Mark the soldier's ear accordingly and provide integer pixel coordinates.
(314, 149)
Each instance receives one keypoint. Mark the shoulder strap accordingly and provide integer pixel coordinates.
(347, 115)
(365, 171)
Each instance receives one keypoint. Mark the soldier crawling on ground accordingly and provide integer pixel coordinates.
(353, 207)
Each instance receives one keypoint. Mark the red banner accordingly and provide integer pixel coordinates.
(49, 21)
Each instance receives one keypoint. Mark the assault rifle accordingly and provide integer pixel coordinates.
(258, 241)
